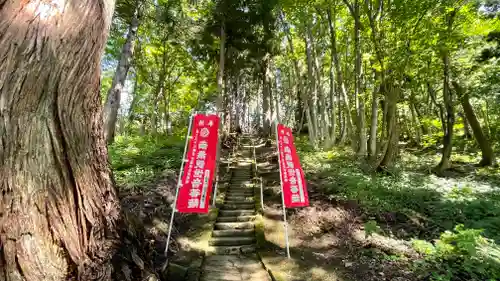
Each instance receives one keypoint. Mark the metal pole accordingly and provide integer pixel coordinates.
(282, 195)
(214, 200)
(256, 174)
(179, 184)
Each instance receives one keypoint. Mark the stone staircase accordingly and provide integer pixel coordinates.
(232, 255)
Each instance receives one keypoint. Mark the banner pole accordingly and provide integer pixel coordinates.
(256, 176)
(214, 200)
(282, 194)
(179, 184)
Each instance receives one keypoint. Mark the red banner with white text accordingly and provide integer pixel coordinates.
(292, 176)
(200, 166)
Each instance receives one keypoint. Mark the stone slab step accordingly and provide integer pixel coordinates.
(245, 206)
(236, 219)
(233, 233)
(240, 198)
(235, 202)
(240, 193)
(234, 213)
(233, 225)
(231, 250)
(231, 241)
(215, 273)
(223, 262)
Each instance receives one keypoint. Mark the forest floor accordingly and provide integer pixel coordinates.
(146, 172)
(365, 226)
(360, 225)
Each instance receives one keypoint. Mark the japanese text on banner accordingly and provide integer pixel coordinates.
(199, 170)
(292, 175)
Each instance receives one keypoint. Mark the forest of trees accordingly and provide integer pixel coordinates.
(373, 75)
(368, 73)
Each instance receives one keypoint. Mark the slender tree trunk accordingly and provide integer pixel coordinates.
(322, 125)
(220, 75)
(391, 146)
(357, 88)
(488, 156)
(114, 94)
(333, 106)
(445, 162)
(59, 209)
(310, 103)
(467, 133)
(266, 100)
(416, 122)
(340, 77)
(372, 149)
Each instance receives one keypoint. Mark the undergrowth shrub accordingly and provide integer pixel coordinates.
(462, 254)
(137, 160)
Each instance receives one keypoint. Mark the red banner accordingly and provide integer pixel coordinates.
(292, 176)
(199, 170)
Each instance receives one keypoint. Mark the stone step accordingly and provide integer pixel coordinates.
(232, 250)
(240, 198)
(233, 225)
(232, 201)
(228, 263)
(234, 213)
(236, 219)
(234, 233)
(240, 192)
(215, 274)
(244, 206)
(231, 241)
(235, 202)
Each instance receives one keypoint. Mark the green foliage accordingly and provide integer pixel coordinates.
(422, 207)
(371, 227)
(462, 254)
(138, 160)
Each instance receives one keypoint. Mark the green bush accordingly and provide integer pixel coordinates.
(137, 160)
(463, 254)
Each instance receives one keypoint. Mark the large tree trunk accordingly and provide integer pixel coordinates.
(114, 94)
(488, 157)
(59, 207)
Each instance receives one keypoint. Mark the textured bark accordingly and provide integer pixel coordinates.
(59, 208)
(114, 94)
(488, 157)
